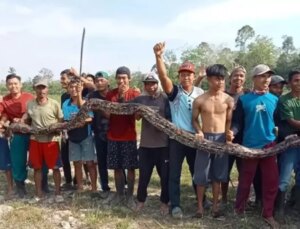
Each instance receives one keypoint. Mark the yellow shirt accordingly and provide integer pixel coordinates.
(42, 116)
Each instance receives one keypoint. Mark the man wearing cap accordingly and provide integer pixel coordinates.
(13, 107)
(44, 149)
(153, 150)
(121, 135)
(100, 126)
(276, 85)
(181, 98)
(289, 113)
(254, 116)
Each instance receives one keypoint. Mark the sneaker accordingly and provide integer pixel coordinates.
(59, 199)
(177, 213)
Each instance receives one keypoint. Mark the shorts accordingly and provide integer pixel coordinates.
(82, 151)
(5, 162)
(122, 155)
(44, 153)
(211, 167)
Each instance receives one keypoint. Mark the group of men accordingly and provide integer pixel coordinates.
(256, 118)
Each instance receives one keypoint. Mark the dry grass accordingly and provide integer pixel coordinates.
(95, 214)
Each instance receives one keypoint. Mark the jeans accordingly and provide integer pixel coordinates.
(101, 148)
(177, 154)
(289, 160)
(148, 158)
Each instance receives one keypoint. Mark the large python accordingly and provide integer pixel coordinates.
(152, 116)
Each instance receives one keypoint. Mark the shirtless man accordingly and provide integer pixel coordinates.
(215, 108)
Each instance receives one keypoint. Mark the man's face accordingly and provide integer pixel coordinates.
(72, 89)
(151, 87)
(261, 82)
(237, 79)
(295, 83)
(14, 86)
(64, 80)
(216, 83)
(186, 78)
(101, 84)
(41, 91)
(276, 89)
(122, 80)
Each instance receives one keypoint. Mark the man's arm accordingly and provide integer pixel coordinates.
(195, 119)
(230, 105)
(237, 121)
(201, 76)
(166, 82)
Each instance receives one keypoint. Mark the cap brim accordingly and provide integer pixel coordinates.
(150, 81)
(41, 84)
(186, 70)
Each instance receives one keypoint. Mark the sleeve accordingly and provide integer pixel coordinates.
(1, 108)
(65, 111)
(173, 94)
(237, 123)
(59, 111)
(284, 111)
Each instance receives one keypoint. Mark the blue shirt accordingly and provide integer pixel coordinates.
(79, 134)
(255, 112)
(181, 106)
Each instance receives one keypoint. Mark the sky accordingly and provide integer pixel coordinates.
(37, 34)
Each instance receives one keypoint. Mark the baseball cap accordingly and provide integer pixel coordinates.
(101, 74)
(275, 79)
(187, 66)
(41, 81)
(151, 77)
(261, 69)
(123, 70)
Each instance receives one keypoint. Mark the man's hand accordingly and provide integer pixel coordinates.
(202, 71)
(16, 120)
(199, 136)
(159, 49)
(79, 88)
(73, 72)
(229, 136)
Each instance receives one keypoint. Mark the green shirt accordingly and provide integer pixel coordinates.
(289, 108)
(42, 116)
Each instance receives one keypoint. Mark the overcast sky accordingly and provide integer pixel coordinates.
(37, 34)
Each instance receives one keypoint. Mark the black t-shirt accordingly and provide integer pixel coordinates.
(100, 123)
(64, 97)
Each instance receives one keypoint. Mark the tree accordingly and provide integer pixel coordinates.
(244, 34)
(12, 70)
(170, 57)
(288, 44)
(46, 73)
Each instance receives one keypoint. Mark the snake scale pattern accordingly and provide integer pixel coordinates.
(152, 116)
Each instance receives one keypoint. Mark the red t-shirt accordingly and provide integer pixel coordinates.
(121, 127)
(15, 108)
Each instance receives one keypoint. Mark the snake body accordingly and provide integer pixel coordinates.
(152, 116)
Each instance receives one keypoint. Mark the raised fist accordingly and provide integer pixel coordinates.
(159, 49)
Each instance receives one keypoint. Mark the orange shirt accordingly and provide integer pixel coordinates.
(121, 127)
(15, 108)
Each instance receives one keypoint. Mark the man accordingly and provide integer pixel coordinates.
(5, 162)
(100, 126)
(277, 84)
(153, 150)
(81, 145)
(237, 80)
(289, 112)
(121, 135)
(13, 107)
(215, 109)
(65, 77)
(44, 149)
(254, 115)
(180, 98)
